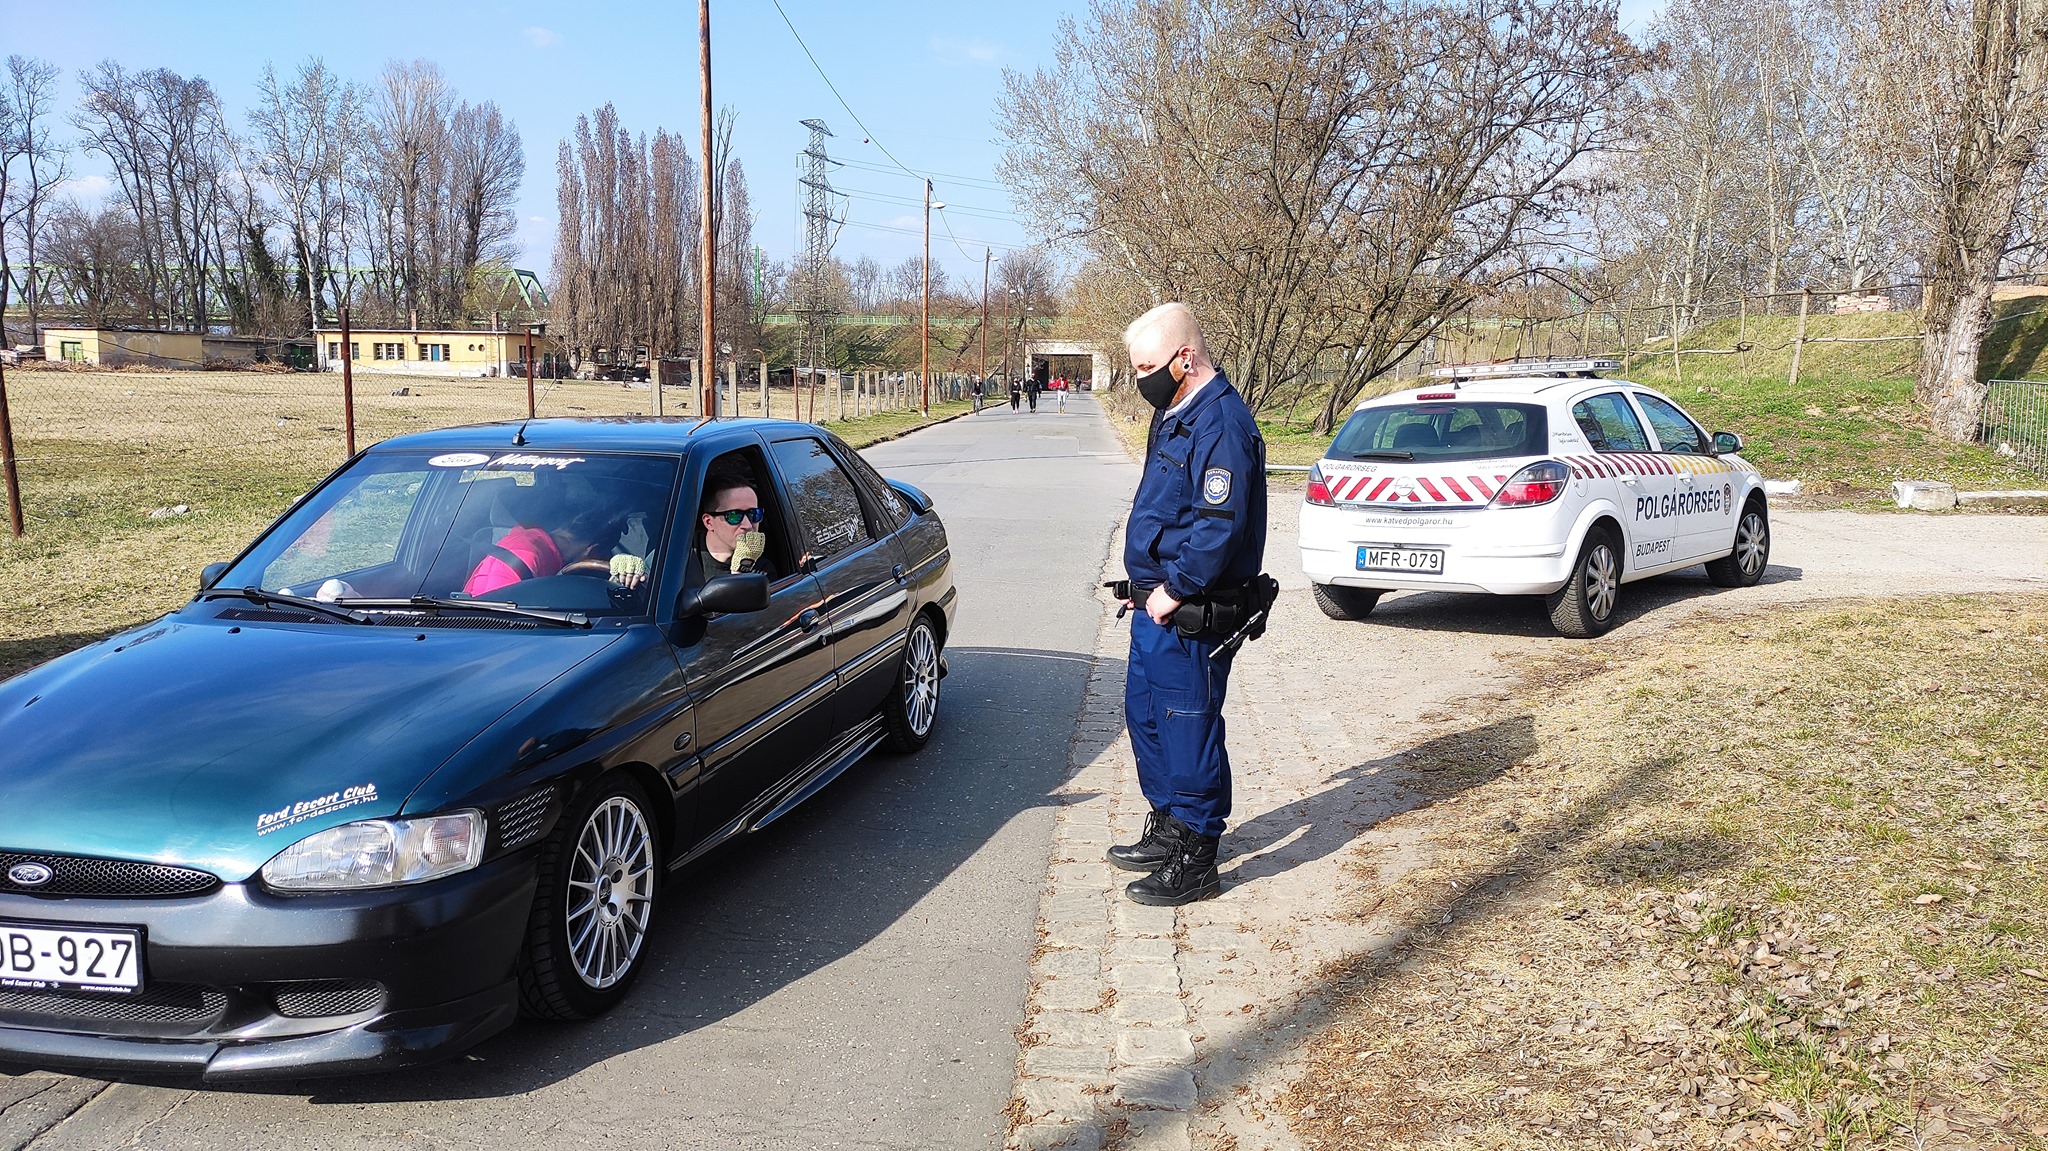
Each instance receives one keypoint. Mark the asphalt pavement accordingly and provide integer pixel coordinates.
(854, 976)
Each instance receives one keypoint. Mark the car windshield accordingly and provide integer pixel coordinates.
(1455, 430)
(546, 530)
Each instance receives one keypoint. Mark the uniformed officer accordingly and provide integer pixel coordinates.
(1195, 542)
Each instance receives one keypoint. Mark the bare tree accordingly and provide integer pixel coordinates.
(95, 256)
(1317, 175)
(32, 165)
(306, 133)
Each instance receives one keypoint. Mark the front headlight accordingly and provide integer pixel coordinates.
(379, 853)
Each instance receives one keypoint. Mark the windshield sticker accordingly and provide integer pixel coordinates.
(1335, 466)
(307, 809)
(519, 460)
(459, 460)
(845, 529)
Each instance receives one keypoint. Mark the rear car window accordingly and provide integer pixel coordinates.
(1458, 430)
(1610, 424)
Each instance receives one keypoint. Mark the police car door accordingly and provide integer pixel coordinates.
(1623, 453)
(867, 594)
(1704, 512)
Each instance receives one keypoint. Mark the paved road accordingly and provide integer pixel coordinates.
(852, 977)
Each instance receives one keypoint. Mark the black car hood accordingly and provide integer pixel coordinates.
(193, 742)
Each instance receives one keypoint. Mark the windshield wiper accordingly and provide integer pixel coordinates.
(258, 596)
(491, 607)
(1384, 454)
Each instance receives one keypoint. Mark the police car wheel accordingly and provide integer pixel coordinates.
(1339, 602)
(599, 887)
(1744, 564)
(1584, 606)
(913, 708)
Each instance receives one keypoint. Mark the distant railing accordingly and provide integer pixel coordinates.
(2015, 422)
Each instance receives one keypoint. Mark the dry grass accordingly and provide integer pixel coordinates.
(100, 451)
(1773, 883)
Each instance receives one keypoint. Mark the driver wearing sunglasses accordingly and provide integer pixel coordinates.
(731, 518)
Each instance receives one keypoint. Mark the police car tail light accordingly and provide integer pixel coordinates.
(1319, 488)
(1539, 483)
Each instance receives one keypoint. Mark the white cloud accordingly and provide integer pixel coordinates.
(541, 37)
(973, 53)
(87, 189)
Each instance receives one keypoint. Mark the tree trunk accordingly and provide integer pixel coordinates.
(1948, 360)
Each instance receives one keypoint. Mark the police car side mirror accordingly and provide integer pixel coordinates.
(1727, 443)
(724, 595)
(210, 574)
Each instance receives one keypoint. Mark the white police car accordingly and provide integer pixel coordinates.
(1528, 479)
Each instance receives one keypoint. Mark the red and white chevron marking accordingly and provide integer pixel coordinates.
(1414, 489)
(1610, 464)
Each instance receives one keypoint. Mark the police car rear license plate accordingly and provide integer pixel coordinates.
(49, 957)
(1385, 559)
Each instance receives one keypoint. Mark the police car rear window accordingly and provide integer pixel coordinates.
(1453, 430)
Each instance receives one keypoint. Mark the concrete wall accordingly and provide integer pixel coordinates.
(112, 349)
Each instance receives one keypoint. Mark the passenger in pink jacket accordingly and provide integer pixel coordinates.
(530, 549)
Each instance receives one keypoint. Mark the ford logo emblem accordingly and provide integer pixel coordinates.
(29, 875)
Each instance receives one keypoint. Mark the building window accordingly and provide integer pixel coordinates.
(388, 351)
(355, 350)
(334, 349)
(72, 351)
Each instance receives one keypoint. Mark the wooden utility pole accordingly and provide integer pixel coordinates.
(7, 471)
(1799, 336)
(987, 255)
(707, 262)
(529, 372)
(348, 384)
(924, 325)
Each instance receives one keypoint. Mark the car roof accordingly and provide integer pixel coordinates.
(1506, 388)
(601, 433)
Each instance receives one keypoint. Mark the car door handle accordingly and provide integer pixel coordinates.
(1629, 480)
(898, 573)
(811, 618)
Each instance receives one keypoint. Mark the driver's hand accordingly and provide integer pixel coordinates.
(629, 571)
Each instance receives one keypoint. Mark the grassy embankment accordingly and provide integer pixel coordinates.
(1773, 883)
(1847, 430)
(100, 451)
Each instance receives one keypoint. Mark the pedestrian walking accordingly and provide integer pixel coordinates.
(1016, 394)
(1061, 395)
(1031, 392)
(977, 396)
(1192, 553)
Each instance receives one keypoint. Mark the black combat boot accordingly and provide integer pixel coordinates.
(1188, 875)
(1162, 831)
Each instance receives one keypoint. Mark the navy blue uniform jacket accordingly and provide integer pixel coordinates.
(1198, 524)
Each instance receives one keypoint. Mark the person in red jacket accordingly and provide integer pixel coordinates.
(526, 553)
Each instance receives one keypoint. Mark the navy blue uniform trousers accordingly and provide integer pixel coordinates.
(1173, 704)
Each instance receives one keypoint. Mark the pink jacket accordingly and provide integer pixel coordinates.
(533, 546)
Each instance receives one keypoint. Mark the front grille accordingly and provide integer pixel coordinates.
(78, 875)
(160, 1003)
(520, 821)
(315, 999)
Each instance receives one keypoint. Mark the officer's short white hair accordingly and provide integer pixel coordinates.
(1170, 326)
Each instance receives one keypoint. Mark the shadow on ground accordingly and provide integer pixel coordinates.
(1643, 602)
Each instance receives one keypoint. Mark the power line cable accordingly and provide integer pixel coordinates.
(872, 138)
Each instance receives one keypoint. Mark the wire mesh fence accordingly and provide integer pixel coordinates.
(142, 443)
(2015, 422)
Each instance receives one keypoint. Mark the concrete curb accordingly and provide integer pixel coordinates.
(894, 436)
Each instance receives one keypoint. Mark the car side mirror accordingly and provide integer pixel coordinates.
(1727, 443)
(725, 594)
(210, 574)
(916, 497)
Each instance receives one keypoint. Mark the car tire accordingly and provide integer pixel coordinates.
(1746, 562)
(1584, 606)
(913, 707)
(599, 889)
(1339, 602)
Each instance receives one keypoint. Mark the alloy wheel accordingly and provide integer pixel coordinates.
(921, 680)
(611, 892)
(1749, 543)
(1602, 581)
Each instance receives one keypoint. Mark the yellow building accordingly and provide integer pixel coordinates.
(405, 351)
(115, 347)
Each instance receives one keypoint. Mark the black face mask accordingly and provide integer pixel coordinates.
(1158, 386)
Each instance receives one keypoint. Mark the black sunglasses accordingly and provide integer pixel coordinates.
(734, 516)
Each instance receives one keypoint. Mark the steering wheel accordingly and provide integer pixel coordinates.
(588, 567)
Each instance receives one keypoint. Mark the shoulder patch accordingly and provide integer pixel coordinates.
(1216, 485)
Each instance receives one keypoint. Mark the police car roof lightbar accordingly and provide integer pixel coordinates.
(1580, 367)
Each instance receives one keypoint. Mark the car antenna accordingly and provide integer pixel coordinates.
(519, 433)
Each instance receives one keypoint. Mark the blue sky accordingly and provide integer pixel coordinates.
(923, 76)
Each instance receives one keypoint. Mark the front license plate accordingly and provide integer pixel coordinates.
(1384, 559)
(35, 957)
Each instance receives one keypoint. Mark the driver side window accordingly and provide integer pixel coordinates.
(717, 496)
(1610, 424)
(1675, 432)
